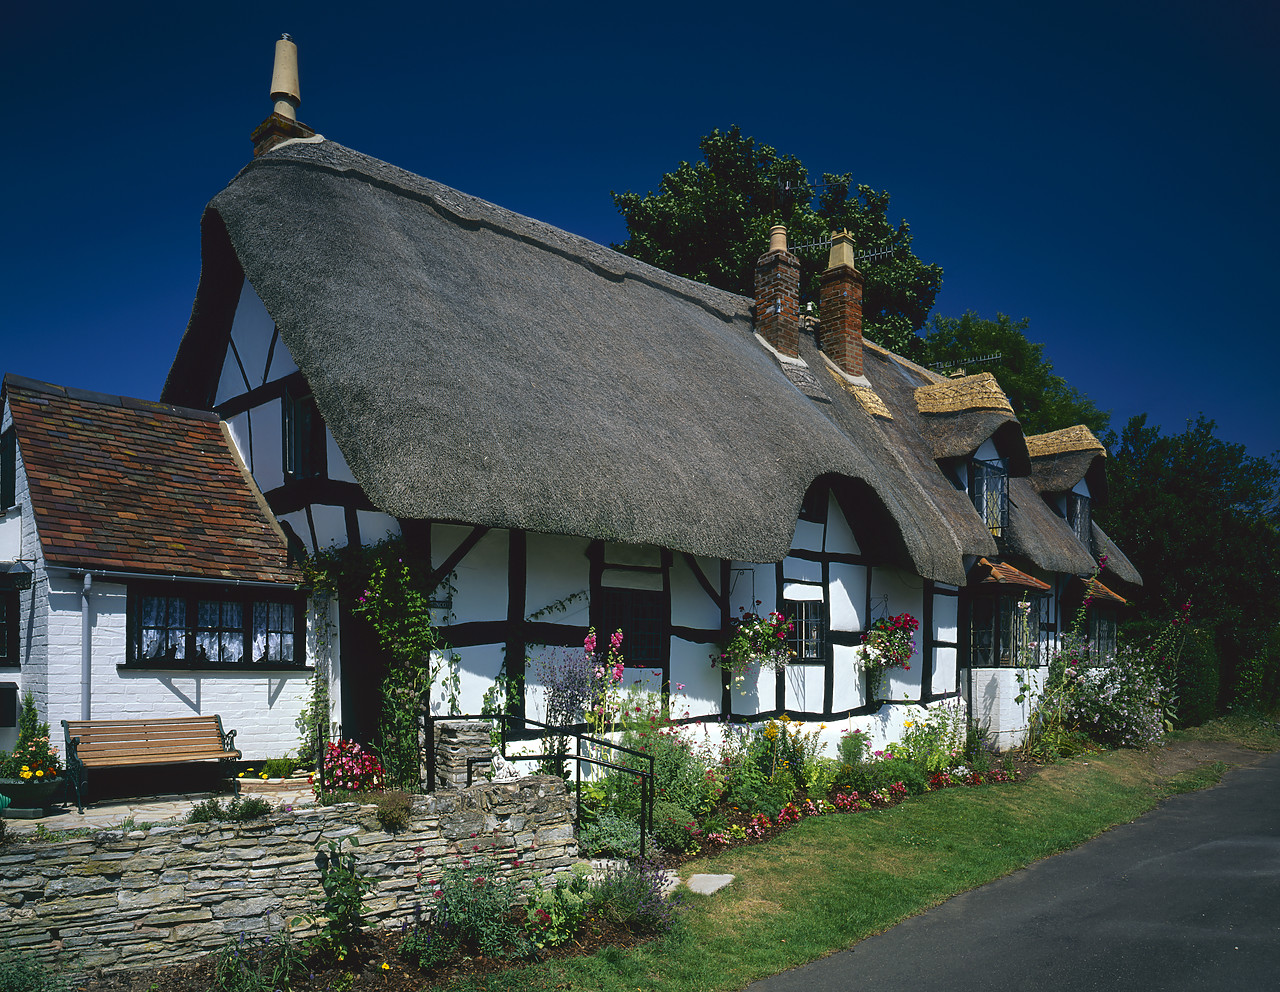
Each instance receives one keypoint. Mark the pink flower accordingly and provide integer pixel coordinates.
(589, 643)
(615, 640)
(679, 687)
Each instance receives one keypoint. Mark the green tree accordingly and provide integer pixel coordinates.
(1042, 399)
(1198, 517)
(710, 220)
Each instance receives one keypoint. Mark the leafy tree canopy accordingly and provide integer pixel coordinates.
(1042, 399)
(710, 220)
(1199, 518)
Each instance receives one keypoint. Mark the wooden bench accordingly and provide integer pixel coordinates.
(126, 743)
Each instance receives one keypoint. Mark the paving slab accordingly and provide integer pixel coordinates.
(705, 885)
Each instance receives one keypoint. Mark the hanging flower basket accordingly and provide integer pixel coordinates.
(756, 640)
(888, 644)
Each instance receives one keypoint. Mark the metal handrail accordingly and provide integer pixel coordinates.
(646, 778)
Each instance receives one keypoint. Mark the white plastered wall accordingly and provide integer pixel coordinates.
(262, 707)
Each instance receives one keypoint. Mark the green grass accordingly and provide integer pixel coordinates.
(834, 880)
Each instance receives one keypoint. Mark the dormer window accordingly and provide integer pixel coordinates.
(1079, 516)
(989, 488)
(304, 437)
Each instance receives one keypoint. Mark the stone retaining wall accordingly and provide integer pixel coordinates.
(141, 898)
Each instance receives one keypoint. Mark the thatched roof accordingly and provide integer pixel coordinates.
(1118, 566)
(476, 365)
(1060, 459)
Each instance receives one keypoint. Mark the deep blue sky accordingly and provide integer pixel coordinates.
(1108, 171)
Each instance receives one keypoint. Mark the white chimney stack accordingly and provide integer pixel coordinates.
(285, 90)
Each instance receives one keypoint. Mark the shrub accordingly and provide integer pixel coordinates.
(936, 741)
(873, 776)
(554, 915)
(280, 767)
(427, 946)
(751, 790)
(1196, 678)
(19, 972)
(394, 809)
(854, 747)
(1117, 706)
(347, 766)
(673, 827)
(632, 894)
(261, 965)
(611, 835)
(344, 887)
(476, 906)
(239, 809)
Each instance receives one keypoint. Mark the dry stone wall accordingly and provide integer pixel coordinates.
(138, 898)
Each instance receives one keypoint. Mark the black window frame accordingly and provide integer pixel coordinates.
(190, 596)
(304, 445)
(809, 634)
(999, 622)
(8, 469)
(10, 611)
(1080, 517)
(9, 705)
(989, 492)
(640, 615)
(1103, 633)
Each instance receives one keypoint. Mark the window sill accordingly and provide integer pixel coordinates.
(208, 669)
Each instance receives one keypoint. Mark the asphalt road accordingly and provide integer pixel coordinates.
(1184, 898)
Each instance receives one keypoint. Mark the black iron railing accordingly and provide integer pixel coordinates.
(579, 759)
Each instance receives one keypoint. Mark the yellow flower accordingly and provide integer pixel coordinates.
(25, 768)
(385, 966)
(909, 723)
(241, 775)
(39, 774)
(25, 774)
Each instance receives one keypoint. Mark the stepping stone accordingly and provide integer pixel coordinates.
(704, 885)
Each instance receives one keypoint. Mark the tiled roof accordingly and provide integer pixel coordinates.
(1097, 590)
(129, 485)
(1002, 573)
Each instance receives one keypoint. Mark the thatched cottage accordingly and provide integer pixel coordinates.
(551, 422)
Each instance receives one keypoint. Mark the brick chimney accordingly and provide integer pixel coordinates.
(840, 306)
(778, 295)
(287, 94)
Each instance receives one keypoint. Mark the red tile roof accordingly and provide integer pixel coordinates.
(1002, 573)
(129, 485)
(1097, 590)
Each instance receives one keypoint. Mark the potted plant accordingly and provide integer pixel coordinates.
(31, 776)
(888, 644)
(755, 639)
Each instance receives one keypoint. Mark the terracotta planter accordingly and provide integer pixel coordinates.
(28, 798)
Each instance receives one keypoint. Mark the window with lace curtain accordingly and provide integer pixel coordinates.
(213, 627)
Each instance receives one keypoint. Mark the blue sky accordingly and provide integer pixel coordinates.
(1105, 170)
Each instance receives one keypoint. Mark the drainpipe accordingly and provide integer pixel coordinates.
(86, 648)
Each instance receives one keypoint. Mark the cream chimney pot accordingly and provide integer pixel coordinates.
(841, 250)
(777, 238)
(285, 90)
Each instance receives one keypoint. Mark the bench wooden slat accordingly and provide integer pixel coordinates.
(146, 741)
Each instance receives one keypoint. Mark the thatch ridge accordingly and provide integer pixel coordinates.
(970, 392)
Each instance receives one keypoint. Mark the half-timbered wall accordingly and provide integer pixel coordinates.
(517, 598)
